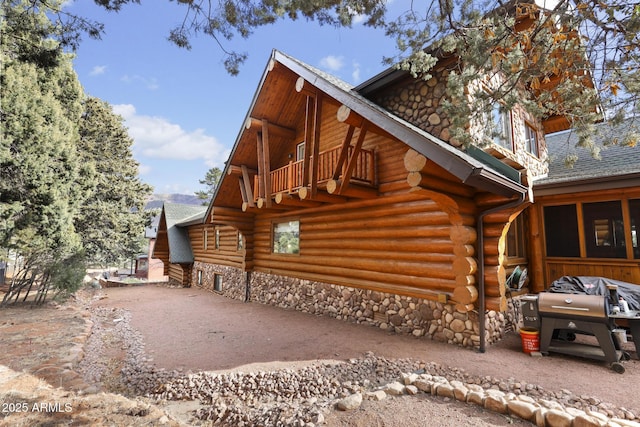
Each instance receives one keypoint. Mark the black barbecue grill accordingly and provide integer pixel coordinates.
(586, 305)
(563, 316)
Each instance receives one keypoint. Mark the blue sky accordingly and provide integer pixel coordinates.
(182, 109)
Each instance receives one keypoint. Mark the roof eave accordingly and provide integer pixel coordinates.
(609, 182)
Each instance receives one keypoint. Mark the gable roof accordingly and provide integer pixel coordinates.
(175, 216)
(618, 167)
(282, 67)
(467, 168)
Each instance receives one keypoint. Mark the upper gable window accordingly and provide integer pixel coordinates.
(531, 140)
(300, 151)
(501, 126)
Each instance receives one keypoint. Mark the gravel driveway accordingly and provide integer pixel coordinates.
(193, 329)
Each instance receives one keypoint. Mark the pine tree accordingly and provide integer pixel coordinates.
(112, 216)
(211, 180)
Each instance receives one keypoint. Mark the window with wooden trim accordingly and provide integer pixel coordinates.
(300, 151)
(217, 238)
(498, 122)
(604, 230)
(516, 240)
(240, 241)
(199, 277)
(531, 139)
(634, 214)
(561, 231)
(205, 239)
(592, 230)
(217, 282)
(286, 237)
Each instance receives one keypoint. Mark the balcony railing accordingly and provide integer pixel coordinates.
(289, 178)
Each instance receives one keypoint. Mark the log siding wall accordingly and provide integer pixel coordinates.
(400, 242)
(226, 254)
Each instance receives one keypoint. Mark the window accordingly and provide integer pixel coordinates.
(205, 239)
(217, 282)
(217, 238)
(634, 211)
(199, 277)
(498, 121)
(531, 140)
(240, 241)
(516, 246)
(604, 233)
(604, 230)
(300, 151)
(561, 231)
(286, 237)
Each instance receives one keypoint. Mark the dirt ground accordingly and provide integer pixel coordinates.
(192, 329)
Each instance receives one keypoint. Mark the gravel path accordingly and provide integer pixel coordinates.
(278, 382)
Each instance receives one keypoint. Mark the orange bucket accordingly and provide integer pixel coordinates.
(530, 340)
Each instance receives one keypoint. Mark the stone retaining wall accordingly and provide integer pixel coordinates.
(397, 313)
(394, 313)
(233, 285)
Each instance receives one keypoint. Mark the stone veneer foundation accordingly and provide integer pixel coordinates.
(395, 313)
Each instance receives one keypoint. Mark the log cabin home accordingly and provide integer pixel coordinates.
(586, 219)
(384, 227)
(356, 203)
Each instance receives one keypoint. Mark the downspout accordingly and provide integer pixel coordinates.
(481, 296)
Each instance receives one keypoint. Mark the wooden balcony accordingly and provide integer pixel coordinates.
(289, 178)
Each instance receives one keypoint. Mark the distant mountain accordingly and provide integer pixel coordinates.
(156, 201)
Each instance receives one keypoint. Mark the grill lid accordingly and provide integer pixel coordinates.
(572, 305)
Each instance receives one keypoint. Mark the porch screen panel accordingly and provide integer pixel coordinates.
(604, 230)
(634, 210)
(561, 231)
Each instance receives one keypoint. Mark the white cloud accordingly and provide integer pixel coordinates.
(332, 63)
(157, 137)
(98, 70)
(355, 74)
(149, 83)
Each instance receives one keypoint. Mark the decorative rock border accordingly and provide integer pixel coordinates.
(541, 412)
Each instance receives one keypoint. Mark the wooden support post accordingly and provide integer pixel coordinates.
(276, 130)
(237, 170)
(267, 162)
(315, 154)
(353, 159)
(247, 185)
(308, 135)
(261, 165)
(344, 152)
(243, 191)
